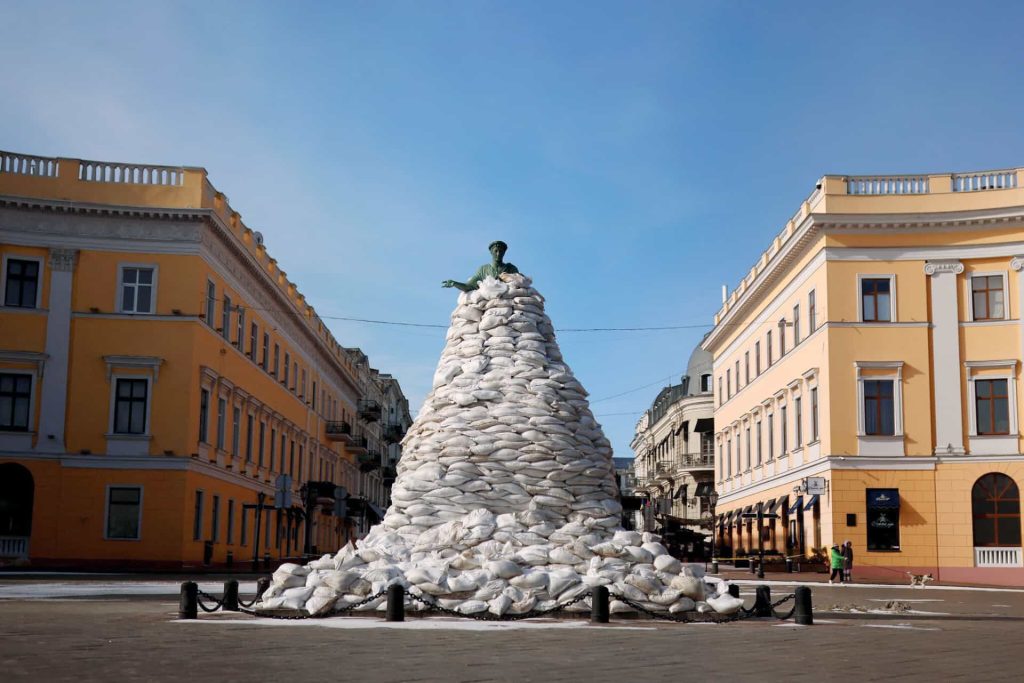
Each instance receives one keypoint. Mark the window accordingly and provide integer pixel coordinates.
(705, 384)
(737, 377)
(771, 436)
(124, 512)
(295, 376)
(137, 286)
(21, 285)
(814, 413)
(757, 359)
(879, 419)
(277, 358)
(746, 367)
(992, 406)
(222, 409)
(747, 435)
(783, 446)
(728, 383)
(768, 349)
(197, 517)
(248, 437)
(204, 415)
(313, 396)
(236, 429)
(812, 311)
(782, 338)
(15, 401)
(758, 451)
(995, 504)
(883, 516)
(302, 385)
(254, 332)
(263, 433)
(721, 396)
(796, 325)
(130, 406)
(291, 458)
(240, 329)
(215, 520)
(798, 436)
(231, 522)
(876, 299)
(266, 351)
(280, 454)
(225, 318)
(988, 297)
(211, 300)
(273, 440)
(728, 457)
(287, 365)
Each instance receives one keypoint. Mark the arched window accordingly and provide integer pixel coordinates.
(995, 502)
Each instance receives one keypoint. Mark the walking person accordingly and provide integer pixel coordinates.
(848, 561)
(836, 562)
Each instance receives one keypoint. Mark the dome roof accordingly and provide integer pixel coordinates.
(699, 364)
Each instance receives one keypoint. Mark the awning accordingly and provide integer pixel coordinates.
(768, 506)
(780, 502)
(797, 505)
(681, 492)
(704, 424)
(811, 503)
(727, 517)
(682, 426)
(374, 510)
(704, 489)
(884, 499)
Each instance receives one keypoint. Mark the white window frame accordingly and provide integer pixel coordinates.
(114, 377)
(992, 444)
(118, 304)
(970, 295)
(881, 445)
(893, 316)
(106, 510)
(39, 285)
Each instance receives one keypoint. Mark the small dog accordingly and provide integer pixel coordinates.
(919, 580)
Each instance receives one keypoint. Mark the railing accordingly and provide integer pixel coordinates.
(703, 460)
(985, 180)
(394, 433)
(130, 174)
(338, 427)
(26, 164)
(998, 557)
(368, 409)
(14, 546)
(906, 184)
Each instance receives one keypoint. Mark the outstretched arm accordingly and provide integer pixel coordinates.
(467, 286)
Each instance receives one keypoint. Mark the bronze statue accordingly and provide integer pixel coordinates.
(493, 269)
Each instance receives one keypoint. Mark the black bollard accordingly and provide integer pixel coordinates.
(714, 567)
(261, 587)
(266, 561)
(188, 607)
(734, 590)
(230, 561)
(753, 565)
(803, 613)
(599, 610)
(396, 603)
(763, 602)
(789, 565)
(230, 603)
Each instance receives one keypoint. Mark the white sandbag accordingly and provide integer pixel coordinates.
(295, 598)
(473, 607)
(499, 605)
(668, 564)
(654, 548)
(682, 605)
(689, 586)
(504, 569)
(624, 537)
(725, 604)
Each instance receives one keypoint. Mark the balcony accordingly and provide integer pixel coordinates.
(368, 410)
(339, 431)
(14, 547)
(998, 557)
(704, 461)
(388, 473)
(358, 445)
(394, 433)
(369, 461)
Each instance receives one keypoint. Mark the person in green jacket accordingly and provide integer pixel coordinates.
(836, 562)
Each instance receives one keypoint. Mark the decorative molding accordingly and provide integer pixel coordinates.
(151, 363)
(1008, 363)
(63, 259)
(27, 357)
(1017, 263)
(943, 266)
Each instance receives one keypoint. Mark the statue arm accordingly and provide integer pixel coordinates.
(467, 286)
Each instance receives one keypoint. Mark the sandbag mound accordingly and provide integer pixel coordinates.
(505, 499)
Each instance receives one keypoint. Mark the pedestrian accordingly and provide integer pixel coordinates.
(848, 561)
(836, 562)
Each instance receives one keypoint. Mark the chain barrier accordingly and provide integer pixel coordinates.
(532, 614)
(329, 613)
(783, 599)
(200, 594)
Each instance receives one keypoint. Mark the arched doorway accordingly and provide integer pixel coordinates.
(995, 507)
(17, 490)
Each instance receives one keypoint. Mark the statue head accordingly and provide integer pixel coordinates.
(497, 248)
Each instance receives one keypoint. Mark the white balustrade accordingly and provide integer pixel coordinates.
(130, 174)
(26, 164)
(13, 546)
(881, 185)
(985, 180)
(998, 557)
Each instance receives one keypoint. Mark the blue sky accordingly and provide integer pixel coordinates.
(636, 155)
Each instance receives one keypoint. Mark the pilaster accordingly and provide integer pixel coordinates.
(949, 429)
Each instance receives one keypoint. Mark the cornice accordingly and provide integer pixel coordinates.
(68, 206)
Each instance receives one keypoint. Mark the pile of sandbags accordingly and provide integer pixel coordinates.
(505, 500)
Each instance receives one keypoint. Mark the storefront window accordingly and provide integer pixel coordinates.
(883, 516)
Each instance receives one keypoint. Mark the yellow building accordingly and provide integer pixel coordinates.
(159, 374)
(867, 370)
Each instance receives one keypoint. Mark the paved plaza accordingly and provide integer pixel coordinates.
(111, 629)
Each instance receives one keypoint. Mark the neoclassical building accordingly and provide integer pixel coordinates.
(168, 397)
(867, 373)
(675, 459)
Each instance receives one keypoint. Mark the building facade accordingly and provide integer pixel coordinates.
(167, 396)
(867, 370)
(674, 459)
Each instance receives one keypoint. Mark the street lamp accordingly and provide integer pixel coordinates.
(712, 502)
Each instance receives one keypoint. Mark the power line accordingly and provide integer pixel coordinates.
(633, 391)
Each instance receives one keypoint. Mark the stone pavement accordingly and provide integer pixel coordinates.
(949, 635)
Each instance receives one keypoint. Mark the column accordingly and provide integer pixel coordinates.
(54, 396)
(1017, 263)
(949, 430)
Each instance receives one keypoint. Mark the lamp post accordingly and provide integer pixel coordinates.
(712, 502)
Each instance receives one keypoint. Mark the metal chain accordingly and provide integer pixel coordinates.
(687, 618)
(781, 600)
(532, 614)
(243, 603)
(200, 594)
(329, 613)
